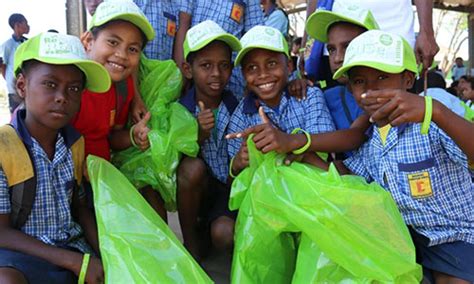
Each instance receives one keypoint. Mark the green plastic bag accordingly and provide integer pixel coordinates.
(135, 244)
(300, 224)
(173, 132)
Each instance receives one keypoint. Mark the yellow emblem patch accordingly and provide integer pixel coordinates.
(171, 27)
(237, 12)
(420, 185)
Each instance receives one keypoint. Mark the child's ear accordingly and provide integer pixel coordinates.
(186, 68)
(87, 38)
(21, 85)
(409, 79)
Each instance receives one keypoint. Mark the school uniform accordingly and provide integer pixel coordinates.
(164, 18)
(310, 114)
(50, 220)
(429, 180)
(235, 17)
(214, 152)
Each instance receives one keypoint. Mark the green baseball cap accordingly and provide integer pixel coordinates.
(319, 22)
(204, 33)
(262, 37)
(122, 10)
(61, 49)
(379, 50)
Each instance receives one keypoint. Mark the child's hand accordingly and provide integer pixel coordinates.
(241, 160)
(140, 133)
(206, 121)
(394, 107)
(95, 271)
(297, 88)
(267, 138)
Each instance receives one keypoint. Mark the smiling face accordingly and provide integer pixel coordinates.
(266, 73)
(339, 36)
(210, 70)
(117, 46)
(52, 94)
(363, 79)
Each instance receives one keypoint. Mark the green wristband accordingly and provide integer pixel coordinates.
(425, 126)
(131, 137)
(85, 264)
(306, 146)
(230, 168)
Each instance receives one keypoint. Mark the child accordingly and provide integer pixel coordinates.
(117, 35)
(427, 174)
(19, 25)
(264, 59)
(52, 70)
(208, 63)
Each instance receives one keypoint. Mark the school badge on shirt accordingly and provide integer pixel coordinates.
(237, 11)
(420, 185)
(170, 24)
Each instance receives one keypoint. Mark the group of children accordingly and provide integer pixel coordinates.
(413, 146)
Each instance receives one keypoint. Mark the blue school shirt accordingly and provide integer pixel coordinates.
(310, 114)
(427, 176)
(214, 149)
(50, 220)
(163, 17)
(235, 17)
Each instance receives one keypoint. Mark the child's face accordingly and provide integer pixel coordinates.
(22, 27)
(52, 94)
(363, 79)
(266, 73)
(339, 37)
(210, 69)
(117, 47)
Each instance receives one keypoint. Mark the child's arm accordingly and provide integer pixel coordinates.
(137, 106)
(206, 123)
(241, 160)
(83, 215)
(120, 138)
(267, 138)
(18, 241)
(400, 107)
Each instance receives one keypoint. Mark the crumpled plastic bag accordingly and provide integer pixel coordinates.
(136, 245)
(300, 224)
(174, 132)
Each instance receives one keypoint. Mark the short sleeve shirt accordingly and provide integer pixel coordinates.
(7, 54)
(50, 220)
(427, 176)
(98, 114)
(164, 18)
(311, 115)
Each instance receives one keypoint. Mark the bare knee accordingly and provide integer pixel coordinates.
(222, 233)
(11, 276)
(191, 172)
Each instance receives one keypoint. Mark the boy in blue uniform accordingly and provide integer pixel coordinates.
(52, 71)
(208, 53)
(427, 174)
(264, 59)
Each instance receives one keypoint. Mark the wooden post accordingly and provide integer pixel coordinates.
(75, 17)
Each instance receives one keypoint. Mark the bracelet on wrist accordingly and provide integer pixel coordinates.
(425, 126)
(230, 168)
(131, 137)
(308, 142)
(84, 266)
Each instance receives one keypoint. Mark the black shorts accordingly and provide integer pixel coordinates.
(216, 201)
(455, 259)
(36, 270)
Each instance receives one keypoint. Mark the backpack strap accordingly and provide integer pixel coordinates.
(18, 168)
(77, 150)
